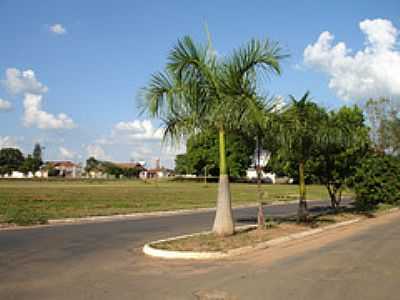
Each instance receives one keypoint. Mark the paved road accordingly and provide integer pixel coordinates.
(104, 261)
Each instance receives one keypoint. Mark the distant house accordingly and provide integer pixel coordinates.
(128, 165)
(107, 169)
(157, 172)
(251, 173)
(64, 168)
(18, 174)
(51, 168)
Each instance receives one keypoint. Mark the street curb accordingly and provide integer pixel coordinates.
(157, 213)
(133, 216)
(148, 248)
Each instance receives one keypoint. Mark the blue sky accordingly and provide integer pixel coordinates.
(88, 59)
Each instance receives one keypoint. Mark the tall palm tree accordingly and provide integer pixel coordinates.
(200, 90)
(298, 128)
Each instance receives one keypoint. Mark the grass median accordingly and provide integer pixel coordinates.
(30, 201)
(253, 236)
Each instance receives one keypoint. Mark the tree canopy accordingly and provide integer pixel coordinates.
(11, 159)
(202, 154)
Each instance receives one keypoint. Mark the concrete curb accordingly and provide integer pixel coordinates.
(157, 213)
(148, 248)
(133, 216)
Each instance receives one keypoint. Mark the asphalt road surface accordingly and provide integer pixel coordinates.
(104, 261)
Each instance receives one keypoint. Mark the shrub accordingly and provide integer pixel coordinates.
(377, 180)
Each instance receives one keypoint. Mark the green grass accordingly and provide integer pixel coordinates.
(29, 201)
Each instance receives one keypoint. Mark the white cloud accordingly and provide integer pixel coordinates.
(5, 105)
(35, 116)
(97, 152)
(18, 82)
(138, 130)
(25, 83)
(371, 72)
(8, 142)
(58, 29)
(66, 153)
(142, 140)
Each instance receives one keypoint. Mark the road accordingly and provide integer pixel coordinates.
(104, 261)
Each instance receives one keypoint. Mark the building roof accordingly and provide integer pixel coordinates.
(128, 165)
(63, 163)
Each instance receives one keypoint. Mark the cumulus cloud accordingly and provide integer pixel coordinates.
(5, 105)
(143, 140)
(66, 153)
(8, 142)
(97, 152)
(58, 29)
(24, 82)
(371, 72)
(35, 116)
(138, 130)
(18, 82)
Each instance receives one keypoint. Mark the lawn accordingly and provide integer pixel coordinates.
(29, 201)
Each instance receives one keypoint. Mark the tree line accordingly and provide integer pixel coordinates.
(12, 159)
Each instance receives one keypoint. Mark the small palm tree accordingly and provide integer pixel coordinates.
(263, 129)
(298, 129)
(199, 90)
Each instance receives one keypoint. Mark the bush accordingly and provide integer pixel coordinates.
(53, 172)
(377, 180)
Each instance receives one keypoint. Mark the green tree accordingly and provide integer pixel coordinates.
(342, 143)
(202, 152)
(376, 181)
(182, 164)
(131, 172)
(383, 118)
(199, 91)
(113, 169)
(297, 135)
(29, 165)
(37, 153)
(92, 164)
(11, 159)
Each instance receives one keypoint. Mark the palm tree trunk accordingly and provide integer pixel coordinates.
(260, 214)
(223, 223)
(302, 211)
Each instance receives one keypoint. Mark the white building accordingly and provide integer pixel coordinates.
(251, 173)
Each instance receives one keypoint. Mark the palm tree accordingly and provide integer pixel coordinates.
(262, 129)
(200, 90)
(298, 129)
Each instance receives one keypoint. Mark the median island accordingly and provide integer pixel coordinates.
(207, 245)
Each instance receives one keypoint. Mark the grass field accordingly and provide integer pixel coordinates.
(29, 201)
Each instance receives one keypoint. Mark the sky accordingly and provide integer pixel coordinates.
(70, 71)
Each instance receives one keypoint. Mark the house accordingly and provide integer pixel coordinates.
(64, 168)
(51, 168)
(107, 169)
(157, 172)
(18, 174)
(129, 165)
(251, 173)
